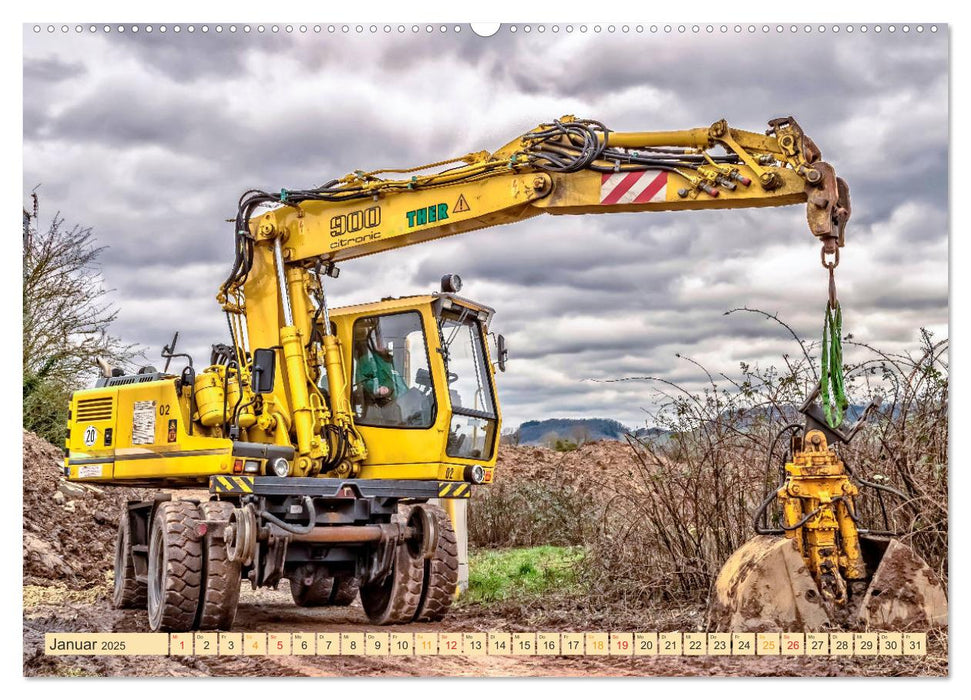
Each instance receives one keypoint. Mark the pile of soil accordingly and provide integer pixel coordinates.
(69, 528)
(604, 459)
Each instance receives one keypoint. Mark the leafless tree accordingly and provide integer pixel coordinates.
(511, 437)
(66, 318)
(580, 433)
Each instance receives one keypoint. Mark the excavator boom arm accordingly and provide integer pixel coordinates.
(567, 167)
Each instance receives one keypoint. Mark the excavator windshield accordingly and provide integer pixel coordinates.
(474, 417)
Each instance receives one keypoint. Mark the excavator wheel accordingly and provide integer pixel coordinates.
(174, 567)
(766, 586)
(221, 578)
(346, 587)
(394, 600)
(128, 591)
(441, 568)
(311, 587)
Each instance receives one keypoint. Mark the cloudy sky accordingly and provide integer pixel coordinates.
(151, 138)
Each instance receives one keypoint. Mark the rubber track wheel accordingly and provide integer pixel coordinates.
(346, 587)
(128, 591)
(395, 600)
(221, 578)
(315, 595)
(441, 571)
(174, 567)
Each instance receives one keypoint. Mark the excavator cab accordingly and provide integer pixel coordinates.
(421, 386)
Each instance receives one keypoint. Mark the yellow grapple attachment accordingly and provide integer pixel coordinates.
(823, 572)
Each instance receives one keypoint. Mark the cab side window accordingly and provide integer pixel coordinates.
(392, 384)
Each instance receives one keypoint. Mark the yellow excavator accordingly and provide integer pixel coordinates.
(328, 438)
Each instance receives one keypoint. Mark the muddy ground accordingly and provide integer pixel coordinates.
(60, 610)
(68, 548)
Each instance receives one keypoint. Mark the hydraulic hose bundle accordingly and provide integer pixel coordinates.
(563, 146)
(567, 147)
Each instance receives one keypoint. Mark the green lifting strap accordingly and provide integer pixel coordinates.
(831, 378)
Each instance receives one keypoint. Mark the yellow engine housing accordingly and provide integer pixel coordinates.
(166, 433)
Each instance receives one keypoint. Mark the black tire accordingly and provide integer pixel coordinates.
(315, 594)
(128, 592)
(221, 578)
(441, 571)
(394, 601)
(174, 567)
(346, 588)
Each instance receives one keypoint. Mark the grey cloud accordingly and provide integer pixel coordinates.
(51, 69)
(155, 155)
(192, 57)
(121, 114)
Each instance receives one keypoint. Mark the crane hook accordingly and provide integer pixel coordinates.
(831, 265)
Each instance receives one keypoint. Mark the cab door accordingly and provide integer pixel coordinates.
(393, 392)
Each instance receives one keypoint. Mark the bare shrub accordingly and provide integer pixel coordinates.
(665, 534)
(661, 530)
(530, 513)
(906, 445)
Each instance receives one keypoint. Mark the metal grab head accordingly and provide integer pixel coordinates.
(816, 419)
(828, 204)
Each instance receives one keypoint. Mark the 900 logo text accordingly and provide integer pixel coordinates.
(355, 221)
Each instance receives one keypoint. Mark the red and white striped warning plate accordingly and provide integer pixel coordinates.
(633, 188)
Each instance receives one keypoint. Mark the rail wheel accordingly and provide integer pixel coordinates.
(441, 569)
(395, 599)
(346, 587)
(174, 567)
(221, 578)
(128, 591)
(315, 593)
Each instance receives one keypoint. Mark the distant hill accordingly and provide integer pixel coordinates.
(577, 429)
(537, 432)
(651, 433)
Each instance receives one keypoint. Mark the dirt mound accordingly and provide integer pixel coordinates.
(543, 497)
(69, 528)
(592, 460)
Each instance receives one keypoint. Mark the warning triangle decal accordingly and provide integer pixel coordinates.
(460, 205)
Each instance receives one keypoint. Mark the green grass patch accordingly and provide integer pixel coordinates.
(504, 574)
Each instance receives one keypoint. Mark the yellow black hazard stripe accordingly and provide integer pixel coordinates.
(231, 484)
(454, 489)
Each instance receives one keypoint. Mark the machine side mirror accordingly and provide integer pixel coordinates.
(502, 353)
(264, 370)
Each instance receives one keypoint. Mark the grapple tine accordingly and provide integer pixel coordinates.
(904, 593)
(766, 586)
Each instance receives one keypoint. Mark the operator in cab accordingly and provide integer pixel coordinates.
(376, 378)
